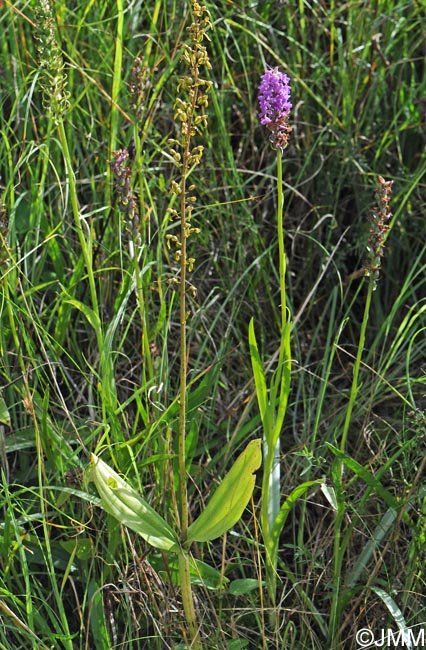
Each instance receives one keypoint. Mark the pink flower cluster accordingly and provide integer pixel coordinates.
(275, 106)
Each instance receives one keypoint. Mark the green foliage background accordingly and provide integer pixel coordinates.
(70, 576)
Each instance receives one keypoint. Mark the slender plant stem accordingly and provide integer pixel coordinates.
(339, 548)
(183, 319)
(147, 367)
(183, 366)
(188, 601)
(278, 396)
(284, 360)
(354, 387)
(185, 581)
(281, 251)
(106, 372)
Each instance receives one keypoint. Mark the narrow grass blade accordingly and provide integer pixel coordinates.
(379, 534)
(366, 476)
(88, 312)
(285, 509)
(397, 616)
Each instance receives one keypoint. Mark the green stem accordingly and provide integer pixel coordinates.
(281, 251)
(283, 375)
(142, 241)
(187, 600)
(278, 396)
(183, 363)
(339, 548)
(266, 519)
(183, 318)
(184, 575)
(354, 387)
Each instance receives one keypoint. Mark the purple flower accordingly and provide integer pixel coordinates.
(274, 105)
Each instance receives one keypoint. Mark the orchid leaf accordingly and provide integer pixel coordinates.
(124, 503)
(258, 373)
(201, 573)
(230, 499)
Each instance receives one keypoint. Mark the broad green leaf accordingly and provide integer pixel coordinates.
(126, 504)
(201, 573)
(205, 575)
(258, 373)
(237, 644)
(230, 499)
(82, 548)
(243, 586)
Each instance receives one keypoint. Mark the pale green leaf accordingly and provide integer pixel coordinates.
(330, 494)
(243, 586)
(230, 499)
(237, 644)
(124, 503)
(258, 373)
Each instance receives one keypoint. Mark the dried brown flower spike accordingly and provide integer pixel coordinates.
(379, 219)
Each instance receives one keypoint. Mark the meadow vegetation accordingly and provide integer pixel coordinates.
(90, 321)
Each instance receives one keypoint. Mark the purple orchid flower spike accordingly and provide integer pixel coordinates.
(275, 106)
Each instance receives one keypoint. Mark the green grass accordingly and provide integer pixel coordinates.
(89, 322)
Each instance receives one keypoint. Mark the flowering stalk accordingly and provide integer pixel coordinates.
(375, 250)
(190, 114)
(378, 230)
(274, 105)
